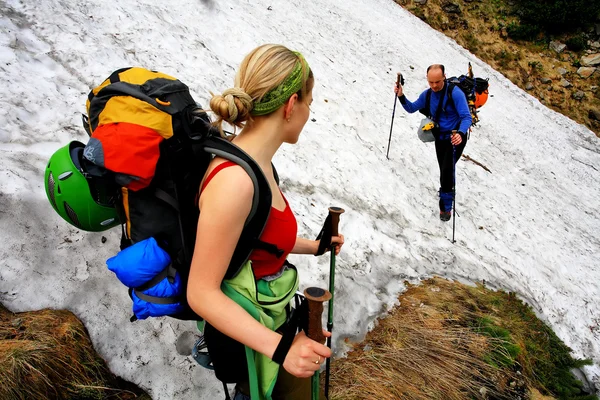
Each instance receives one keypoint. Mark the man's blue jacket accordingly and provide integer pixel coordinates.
(455, 113)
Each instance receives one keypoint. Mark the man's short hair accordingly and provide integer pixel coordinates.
(437, 66)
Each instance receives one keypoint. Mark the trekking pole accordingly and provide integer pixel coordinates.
(454, 192)
(398, 80)
(334, 213)
(315, 297)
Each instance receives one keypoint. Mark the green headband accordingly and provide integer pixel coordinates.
(279, 95)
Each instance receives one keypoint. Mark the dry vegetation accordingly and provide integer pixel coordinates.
(445, 341)
(48, 355)
(480, 26)
(450, 341)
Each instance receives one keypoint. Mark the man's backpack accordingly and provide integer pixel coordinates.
(150, 145)
(475, 90)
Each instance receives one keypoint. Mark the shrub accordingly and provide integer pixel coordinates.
(522, 32)
(576, 43)
(556, 16)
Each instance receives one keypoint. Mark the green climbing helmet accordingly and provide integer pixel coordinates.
(78, 200)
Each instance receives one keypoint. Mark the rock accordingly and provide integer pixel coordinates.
(529, 86)
(557, 46)
(421, 2)
(591, 60)
(595, 45)
(565, 83)
(550, 88)
(578, 95)
(562, 71)
(586, 72)
(546, 80)
(451, 8)
(593, 88)
(185, 343)
(594, 114)
(588, 387)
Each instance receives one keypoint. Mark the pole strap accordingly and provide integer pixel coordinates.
(324, 237)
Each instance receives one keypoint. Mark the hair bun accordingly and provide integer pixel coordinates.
(233, 106)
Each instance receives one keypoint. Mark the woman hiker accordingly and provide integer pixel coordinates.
(270, 101)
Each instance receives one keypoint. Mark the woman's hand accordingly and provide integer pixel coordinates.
(338, 241)
(306, 356)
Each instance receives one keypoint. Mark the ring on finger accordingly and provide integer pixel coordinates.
(318, 360)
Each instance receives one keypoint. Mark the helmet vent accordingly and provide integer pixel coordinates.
(107, 222)
(51, 190)
(65, 175)
(71, 213)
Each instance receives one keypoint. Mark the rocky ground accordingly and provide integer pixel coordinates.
(563, 79)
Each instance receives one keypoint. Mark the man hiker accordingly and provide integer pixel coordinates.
(452, 118)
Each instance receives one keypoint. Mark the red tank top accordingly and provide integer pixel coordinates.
(281, 230)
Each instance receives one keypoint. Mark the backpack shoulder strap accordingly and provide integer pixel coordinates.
(275, 174)
(450, 90)
(445, 92)
(261, 201)
(425, 110)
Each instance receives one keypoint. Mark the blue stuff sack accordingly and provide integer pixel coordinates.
(154, 285)
(139, 263)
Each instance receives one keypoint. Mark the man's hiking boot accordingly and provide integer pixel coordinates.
(445, 215)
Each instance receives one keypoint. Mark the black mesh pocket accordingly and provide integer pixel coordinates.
(481, 85)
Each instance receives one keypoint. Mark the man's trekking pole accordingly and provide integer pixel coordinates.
(334, 213)
(316, 296)
(454, 192)
(399, 80)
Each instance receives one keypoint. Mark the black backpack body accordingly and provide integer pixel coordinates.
(151, 143)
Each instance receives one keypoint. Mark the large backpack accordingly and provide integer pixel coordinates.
(150, 145)
(475, 90)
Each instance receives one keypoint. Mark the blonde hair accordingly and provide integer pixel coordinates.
(261, 71)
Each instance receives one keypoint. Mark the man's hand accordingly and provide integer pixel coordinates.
(456, 138)
(398, 90)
